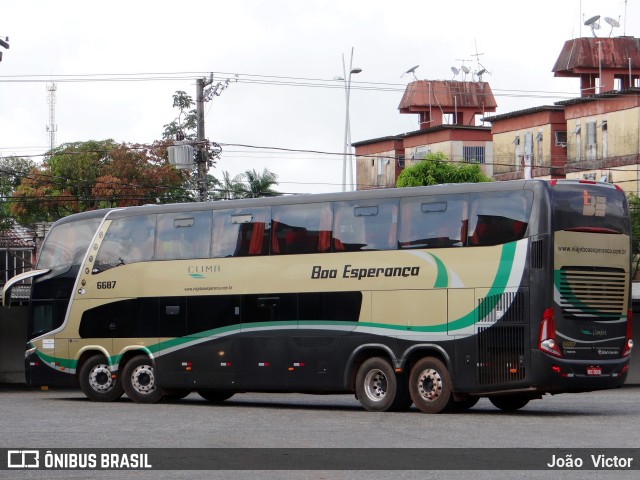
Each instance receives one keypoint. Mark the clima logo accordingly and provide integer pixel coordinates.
(23, 459)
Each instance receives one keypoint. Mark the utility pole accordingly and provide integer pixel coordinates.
(201, 148)
(201, 144)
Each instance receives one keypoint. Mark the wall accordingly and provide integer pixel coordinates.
(13, 338)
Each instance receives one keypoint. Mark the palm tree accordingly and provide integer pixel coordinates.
(259, 185)
(230, 188)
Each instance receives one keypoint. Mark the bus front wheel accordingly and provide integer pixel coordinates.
(139, 380)
(376, 385)
(97, 382)
(430, 386)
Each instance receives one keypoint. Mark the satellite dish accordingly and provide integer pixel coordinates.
(593, 23)
(613, 22)
(465, 69)
(412, 70)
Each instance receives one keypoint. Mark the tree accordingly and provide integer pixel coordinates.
(634, 213)
(259, 184)
(230, 188)
(436, 169)
(81, 176)
(12, 171)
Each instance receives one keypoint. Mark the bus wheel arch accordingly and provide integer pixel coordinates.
(95, 378)
(139, 379)
(361, 355)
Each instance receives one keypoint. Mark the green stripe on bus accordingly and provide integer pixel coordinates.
(493, 296)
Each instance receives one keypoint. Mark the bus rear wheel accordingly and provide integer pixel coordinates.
(97, 382)
(509, 403)
(376, 385)
(139, 380)
(430, 386)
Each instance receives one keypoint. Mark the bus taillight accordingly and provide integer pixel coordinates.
(547, 337)
(628, 341)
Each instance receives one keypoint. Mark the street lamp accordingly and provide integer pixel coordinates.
(347, 127)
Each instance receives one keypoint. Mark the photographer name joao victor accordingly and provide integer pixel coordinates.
(597, 461)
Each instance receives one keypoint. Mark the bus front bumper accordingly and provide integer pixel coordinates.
(38, 373)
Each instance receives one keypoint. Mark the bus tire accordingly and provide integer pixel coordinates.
(376, 385)
(509, 403)
(215, 396)
(430, 386)
(97, 382)
(139, 380)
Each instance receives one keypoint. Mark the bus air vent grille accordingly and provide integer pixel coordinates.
(504, 307)
(501, 354)
(588, 292)
(537, 254)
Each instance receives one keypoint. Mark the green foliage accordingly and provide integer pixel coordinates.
(634, 214)
(249, 184)
(436, 169)
(12, 171)
(82, 176)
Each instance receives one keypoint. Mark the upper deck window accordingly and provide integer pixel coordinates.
(587, 205)
(66, 244)
(499, 217)
(433, 222)
(128, 240)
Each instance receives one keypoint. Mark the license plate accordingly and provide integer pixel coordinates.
(594, 370)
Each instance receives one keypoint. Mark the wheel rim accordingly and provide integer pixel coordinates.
(100, 378)
(430, 384)
(375, 385)
(143, 380)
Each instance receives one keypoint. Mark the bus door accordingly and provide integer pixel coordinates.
(268, 320)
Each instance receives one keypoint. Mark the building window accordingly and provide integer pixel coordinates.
(591, 133)
(539, 150)
(473, 154)
(561, 138)
(592, 142)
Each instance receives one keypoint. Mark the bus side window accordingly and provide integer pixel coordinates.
(301, 229)
(241, 232)
(128, 240)
(183, 236)
(365, 226)
(498, 218)
(433, 222)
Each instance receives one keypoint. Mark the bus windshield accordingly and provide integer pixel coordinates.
(67, 243)
(582, 206)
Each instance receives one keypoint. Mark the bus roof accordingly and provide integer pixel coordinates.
(364, 195)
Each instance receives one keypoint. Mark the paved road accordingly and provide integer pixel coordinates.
(65, 419)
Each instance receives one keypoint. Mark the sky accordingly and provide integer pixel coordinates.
(117, 64)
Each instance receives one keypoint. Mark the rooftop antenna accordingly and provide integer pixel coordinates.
(412, 70)
(594, 23)
(613, 22)
(481, 69)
